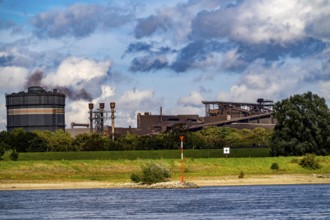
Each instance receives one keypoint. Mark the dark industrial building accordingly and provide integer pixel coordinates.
(217, 113)
(234, 114)
(36, 109)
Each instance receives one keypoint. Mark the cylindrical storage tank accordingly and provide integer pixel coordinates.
(36, 109)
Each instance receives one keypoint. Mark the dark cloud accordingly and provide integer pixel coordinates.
(198, 51)
(320, 27)
(75, 94)
(213, 24)
(6, 60)
(148, 26)
(274, 51)
(138, 47)
(152, 56)
(17, 55)
(79, 20)
(148, 63)
(152, 49)
(188, 55)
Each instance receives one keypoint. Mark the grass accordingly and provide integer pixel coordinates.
(143, 154)
(119, 170)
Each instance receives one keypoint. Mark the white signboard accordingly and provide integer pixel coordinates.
(226, 150)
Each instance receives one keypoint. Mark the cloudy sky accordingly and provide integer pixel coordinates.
(174, 54)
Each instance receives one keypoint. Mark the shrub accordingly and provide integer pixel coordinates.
(309, 162)
(14, 155)
(152, 173)
(274, 166)
(241, 174)
(135, 178)
(155, 173)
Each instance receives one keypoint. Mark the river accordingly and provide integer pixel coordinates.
(236, 202)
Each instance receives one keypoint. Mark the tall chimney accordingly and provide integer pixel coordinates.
(91, 106)
(101, 115)
(112, 107)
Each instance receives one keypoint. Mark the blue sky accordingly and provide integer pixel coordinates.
(174, 54)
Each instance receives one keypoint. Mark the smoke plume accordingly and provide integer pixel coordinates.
(34, 79)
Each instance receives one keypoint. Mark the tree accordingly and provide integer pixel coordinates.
(80, 141)
(14, 155)
(94, 142)
(37, 144)
(19, 139)
(303, 126)
(61, 141)
(3, 147)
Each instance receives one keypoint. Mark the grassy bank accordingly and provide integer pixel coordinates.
(120, 170)
(143, 154)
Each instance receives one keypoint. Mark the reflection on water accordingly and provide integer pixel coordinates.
(244, 202)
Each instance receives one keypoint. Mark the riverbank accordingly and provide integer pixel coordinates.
(214, 181)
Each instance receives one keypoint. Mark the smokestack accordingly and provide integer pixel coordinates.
(101, 115)
(91, 106)
(112, 107)
(161, 114)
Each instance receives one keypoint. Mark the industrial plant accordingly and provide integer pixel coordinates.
(36, 109)
(39, 109)
(234, 114)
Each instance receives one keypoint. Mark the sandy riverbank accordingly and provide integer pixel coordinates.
(219, 181)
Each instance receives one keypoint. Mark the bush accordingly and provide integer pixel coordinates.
(135, 178)
(274, 166)
(309, 162)
(152, 173)
(14, 155)
(241, 175)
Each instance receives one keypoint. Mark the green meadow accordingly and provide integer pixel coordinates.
(118, 166)
(142, 154)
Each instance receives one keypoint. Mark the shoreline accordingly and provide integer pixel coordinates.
(208, 181)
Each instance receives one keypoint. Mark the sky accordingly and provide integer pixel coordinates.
(175, 54)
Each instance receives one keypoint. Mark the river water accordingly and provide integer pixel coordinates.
(236, 202)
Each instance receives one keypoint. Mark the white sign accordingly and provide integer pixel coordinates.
(226, 150)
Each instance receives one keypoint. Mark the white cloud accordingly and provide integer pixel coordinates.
(277, 81)
(75, 71)
(107, 91)
(194, 99)
(325, 91)
(134, 98)
(77, 112)
(12, 77)
(260, 21)
(135, 101)
(264, 21)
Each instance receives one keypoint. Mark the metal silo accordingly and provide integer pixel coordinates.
(36, 109)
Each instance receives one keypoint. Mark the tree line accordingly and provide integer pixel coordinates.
(303, 127)
(209, 138)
